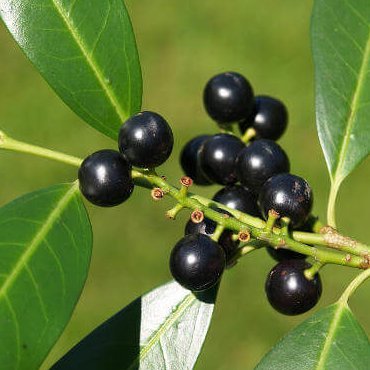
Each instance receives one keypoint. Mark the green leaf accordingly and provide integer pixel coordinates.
(341, 52)
(45, 247)
(330, 339)
(86, 52)
(163, 329)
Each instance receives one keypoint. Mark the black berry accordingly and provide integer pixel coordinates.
(228, 97)
(260, 160)
(269, 118)
(189, 159)
(208, 227)
(289, 195)
(197, 262)
(146, 140)
(289, 291)
(239, 198)
(105, 178)
(218, 156)
(282, 254)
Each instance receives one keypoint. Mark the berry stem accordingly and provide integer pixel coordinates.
(313, 270)
(284, 231)
(271, 220)
(249, 134)
(173, 212)
(8, 143)
(217, 233)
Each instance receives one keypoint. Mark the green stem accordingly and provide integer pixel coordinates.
(271, 220)
(333, 240)
(249, 134)
(331, 204)
(361, 278)
(313, 270)
(219, 230)
(8, 143)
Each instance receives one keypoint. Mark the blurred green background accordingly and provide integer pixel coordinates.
(182, 44)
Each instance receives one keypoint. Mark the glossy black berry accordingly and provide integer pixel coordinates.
(218, 156)
(189, 159)
(197, 262)
(146, 140)
(282, 254)
(239, 198)
(289, 291)
(105, 178)
(208, 227)
(289, 195)
(228, 97)
(260, 160)
(269, 118)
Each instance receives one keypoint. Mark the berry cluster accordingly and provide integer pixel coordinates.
(253, 169)
(255, 173)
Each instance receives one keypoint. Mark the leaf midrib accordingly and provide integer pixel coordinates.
(338, 176)
(38, 238)
(171, 319)
(329, 338)
(91, 62)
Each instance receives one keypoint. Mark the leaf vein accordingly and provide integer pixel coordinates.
(37, 240)
(328, 340)
(90, 60)
(352, 113)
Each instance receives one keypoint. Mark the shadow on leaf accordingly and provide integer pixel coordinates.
(165, 326)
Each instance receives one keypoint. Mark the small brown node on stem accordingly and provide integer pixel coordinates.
(365, 262)
(164, 178)
(274, 214)
(157, 193)
(186, 181)
(327, 229)
(244, 236)
(197, 216)
(348, 257)
(281, 244)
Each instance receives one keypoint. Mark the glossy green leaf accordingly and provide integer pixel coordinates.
(45, 247)
(330, 339)
(341, 51)
(163, 329)
(87, 53)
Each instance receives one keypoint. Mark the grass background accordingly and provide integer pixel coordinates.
(182, 44)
